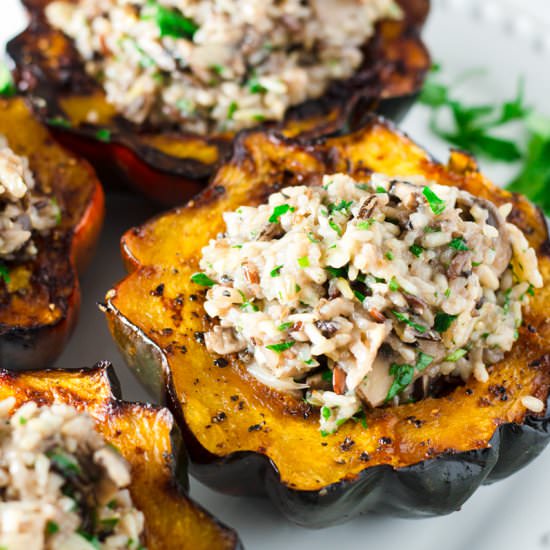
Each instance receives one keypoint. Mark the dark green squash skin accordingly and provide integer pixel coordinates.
(433, 487)
(129, 162)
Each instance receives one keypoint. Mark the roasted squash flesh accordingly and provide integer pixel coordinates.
(39, 303)
(145, 436)
(156, 315)
(50, 70)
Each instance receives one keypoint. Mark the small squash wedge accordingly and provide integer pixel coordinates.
(416, 459)
(146, 437)
(39, 303)
(172, 167)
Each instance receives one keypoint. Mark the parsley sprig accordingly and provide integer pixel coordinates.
(474, 128)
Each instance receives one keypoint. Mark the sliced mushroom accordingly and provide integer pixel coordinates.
(374, 389)
(460, 266)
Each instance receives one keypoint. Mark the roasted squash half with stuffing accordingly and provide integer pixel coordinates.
(418, 405)
(49, 403)
(169, 161)
(52, 210)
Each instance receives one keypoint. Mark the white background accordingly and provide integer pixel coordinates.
(508, 37)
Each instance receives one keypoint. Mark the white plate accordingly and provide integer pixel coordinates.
(509, 38)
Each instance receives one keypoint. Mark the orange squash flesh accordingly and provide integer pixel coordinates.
(39, 305)
(145, 436)
(157, 318)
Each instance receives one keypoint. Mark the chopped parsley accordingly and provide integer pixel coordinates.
(232, 109)
(312, 238)
(279, 211)
(443, 321)
(404, 319)
(326, 375)
(424, 360)
(416, 249)
(104, 135)
(338, 272)
(459, 244)
(389, 256)
(4, 273)
(59, 122)
(335, 227)
(365, 224)
(171, 22)
(361, 297)
(456, 355)
(380, 189)
(279, 348)
(341, 206)
(51, 527)
(394, 285)
(92, 539)
(109, 524)
(437, 205)
(64, 462)
(402, 377)
(202, 279)
(276, 272)
(325, 412)
(7, 87)
(254, 86)
(303, 262)
(284, 327)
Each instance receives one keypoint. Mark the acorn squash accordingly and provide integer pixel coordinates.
(147, 439)
(40, 298)
(171, 167)
(415, 459)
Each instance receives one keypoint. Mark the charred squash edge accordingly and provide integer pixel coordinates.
(436, 485)
(49, 70)
(75, 387)
(35, 344)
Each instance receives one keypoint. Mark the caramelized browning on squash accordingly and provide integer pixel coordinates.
(39, 304)
(171, 167)
(145, 436)
(156, 316)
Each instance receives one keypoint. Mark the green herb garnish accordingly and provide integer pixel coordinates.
(279, 211)
(402, 376)
(284, 326)
(366, 224)
(103, 134)
(335, 227)
(325, 412)
(312, 239)
(171, 22)
(394, 285)
(276, 272)
(389, 256)
(459, 244)
(7, 87)
(303, 262)
(338, 272)
(437, 205)
(279, 348)
(416, 250)
(92, 539)
(360, 296)
(202, 279)
(443, 321)
(63, 461)
(341, 206)
(4, 273)
(58, 122)
(51, 527)
(404, 319)
(424, 360)
(456, 355)
(233, 106)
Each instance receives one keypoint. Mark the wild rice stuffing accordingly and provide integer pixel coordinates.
(217, 65)
(364, 293)
(62, 486)
(23, 210)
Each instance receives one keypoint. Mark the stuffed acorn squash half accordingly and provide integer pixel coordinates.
(156, 90)
(51, 211)
(346, 325)
(82, 469)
